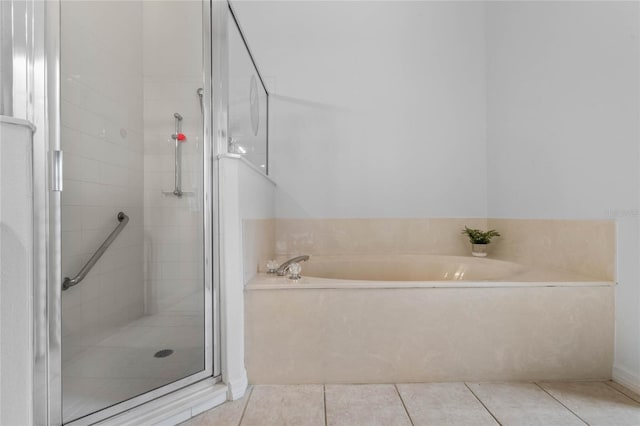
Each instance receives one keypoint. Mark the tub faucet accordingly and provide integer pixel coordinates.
(282, 269)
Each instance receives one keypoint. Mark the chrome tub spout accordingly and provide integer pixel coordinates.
(282, 269)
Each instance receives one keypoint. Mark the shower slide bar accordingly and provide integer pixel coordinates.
(70, 282)
(177, 155)
(178, 138)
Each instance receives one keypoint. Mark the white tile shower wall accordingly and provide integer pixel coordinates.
(102, 139)
(373, 122)
(173, 234)
(563, 120)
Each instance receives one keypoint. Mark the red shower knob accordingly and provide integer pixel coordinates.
(181, 137)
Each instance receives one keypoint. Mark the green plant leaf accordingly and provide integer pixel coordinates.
(477, 236)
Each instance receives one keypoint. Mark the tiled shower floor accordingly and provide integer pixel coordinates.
(121, 364)
(438, 404)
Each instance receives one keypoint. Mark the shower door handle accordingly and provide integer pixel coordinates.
(56, 171)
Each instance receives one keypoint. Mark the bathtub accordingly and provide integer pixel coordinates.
(409, 268)
(399, 271)
(413, 318)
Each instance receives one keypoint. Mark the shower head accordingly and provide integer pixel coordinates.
(200, 93)
(178, 116)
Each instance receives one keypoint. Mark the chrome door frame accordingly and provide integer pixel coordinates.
(47, 358)
(47, 389)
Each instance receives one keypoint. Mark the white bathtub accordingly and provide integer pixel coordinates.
(409, 268)
(375, 319)
(375, 271)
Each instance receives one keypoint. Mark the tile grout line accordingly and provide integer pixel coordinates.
(620, 391)
(395, 386)
(482, 403)
(246, 404)
(560, 402)
(324, 402)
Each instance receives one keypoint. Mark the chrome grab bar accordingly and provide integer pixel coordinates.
(70, 282)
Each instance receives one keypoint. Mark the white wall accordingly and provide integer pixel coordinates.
(563, 92)
(562, 96)
(376, 105)
(257, 212)
(245, 194)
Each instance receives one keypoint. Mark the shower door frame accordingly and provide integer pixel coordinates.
(47, 360)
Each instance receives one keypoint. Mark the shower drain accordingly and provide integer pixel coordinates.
(163, 353)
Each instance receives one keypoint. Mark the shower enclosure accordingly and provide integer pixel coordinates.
(133, 181)
(134, 312)
(122, 116)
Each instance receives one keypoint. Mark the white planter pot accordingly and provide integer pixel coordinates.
(479, 250)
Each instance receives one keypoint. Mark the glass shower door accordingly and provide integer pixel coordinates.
(132, 208)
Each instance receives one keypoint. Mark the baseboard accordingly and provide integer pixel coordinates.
(626, 378)
(237, 387)
(175, 407)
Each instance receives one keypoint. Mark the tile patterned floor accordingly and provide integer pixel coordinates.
(438, 404)
(120, 364)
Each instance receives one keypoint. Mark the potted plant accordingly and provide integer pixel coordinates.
(479, 240)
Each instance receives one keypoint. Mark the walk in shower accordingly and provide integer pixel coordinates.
(120, 123)
(136, 210)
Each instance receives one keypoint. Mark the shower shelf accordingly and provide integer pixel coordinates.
(178, 193)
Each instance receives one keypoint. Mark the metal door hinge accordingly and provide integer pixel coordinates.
(56, 171)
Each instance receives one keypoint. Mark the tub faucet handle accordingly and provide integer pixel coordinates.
(272, 266)
(294, 271)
